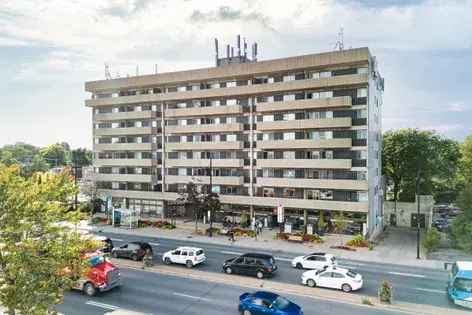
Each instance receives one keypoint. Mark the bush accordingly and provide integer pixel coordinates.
(371, 246)
(96, 220)
(215, 231)
(431, 240)
(366, 301)
(312, 238)
(358, 241)
(385, 292)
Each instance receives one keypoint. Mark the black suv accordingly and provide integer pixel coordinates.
(133, 250)
(251, 264)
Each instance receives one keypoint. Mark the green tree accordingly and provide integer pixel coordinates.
(55, 155)
(431, 241)
(462, 225)
(21, 152)
(34, 249)
(8, 158)
(408, 153)
(340, 224)
(192, 200)
(211, 203)
(465, 173)
(81, 157)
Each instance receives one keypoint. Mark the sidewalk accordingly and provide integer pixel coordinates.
(397, 246)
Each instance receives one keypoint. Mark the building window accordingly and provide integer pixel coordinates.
(362, 92)
(362, 70)
(268, 192)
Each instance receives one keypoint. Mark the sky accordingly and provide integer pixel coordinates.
(48, 49)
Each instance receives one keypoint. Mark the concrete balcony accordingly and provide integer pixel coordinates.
(123, 131)
(153, 195)
(217, 180)
(234, 145)
(124, 147)
(305, 163)
(335, 102)
(204, 128)
(123, 162)
(350, 206)
(135, 178)
(343, 184)
(344, 122)
(124, 115)
(204, 111)
(305, 144)
(248, 90)
(204, 163)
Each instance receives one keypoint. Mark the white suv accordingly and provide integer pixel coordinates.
(189, 256)
(314, 261)
(333, 277)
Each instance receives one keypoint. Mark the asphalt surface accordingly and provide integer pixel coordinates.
(158, 294)
(410, 284)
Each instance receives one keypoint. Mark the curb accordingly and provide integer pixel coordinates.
(291, 289)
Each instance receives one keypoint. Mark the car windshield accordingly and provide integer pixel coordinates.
(199, 252)
(351, 274)
(281, 303)
(463, 284)
(96, 260)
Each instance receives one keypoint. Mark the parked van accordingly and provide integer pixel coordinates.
(459, 286)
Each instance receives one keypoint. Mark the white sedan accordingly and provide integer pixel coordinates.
(189, 256)
(314, 261)
(334, 278)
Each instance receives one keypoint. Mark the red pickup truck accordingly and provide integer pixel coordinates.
(102, 276)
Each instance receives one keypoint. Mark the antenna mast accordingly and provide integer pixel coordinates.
(107, 72)
(340, 42)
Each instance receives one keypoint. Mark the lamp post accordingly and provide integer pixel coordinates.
(210, 234)
(418, 214)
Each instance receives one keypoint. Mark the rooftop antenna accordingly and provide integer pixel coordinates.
(239, 45)
(137, 70)
(232, 51)
(255, 51)
(216, 51)
(245, 48)
(107, 72)
(227, 51)
(340, 43)
(155, 68)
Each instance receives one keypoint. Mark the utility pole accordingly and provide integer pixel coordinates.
(418, 214)
(210, 194)
(76, 168)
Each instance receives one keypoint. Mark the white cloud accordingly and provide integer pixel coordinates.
(458, 107)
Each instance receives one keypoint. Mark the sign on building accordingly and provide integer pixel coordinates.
(280, 213)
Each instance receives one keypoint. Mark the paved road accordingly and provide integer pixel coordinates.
(410, 284)
(158, 294)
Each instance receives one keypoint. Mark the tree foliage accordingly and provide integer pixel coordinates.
(56, 154)
(408, 153)
(462, 225)
(466, 160)
(81, 157)
(34, 248)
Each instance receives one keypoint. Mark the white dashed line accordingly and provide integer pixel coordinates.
(154, 244)
(191, 296)
(406, 274)
(117, 239)
(231, 253)
(103, 305)
(431, 290)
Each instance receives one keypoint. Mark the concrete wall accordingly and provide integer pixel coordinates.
(406, 209)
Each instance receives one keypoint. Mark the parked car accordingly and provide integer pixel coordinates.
(251, 264)
(314, 261)
(441, 224)
(334, 278)
(132, 250)
(189, 256)
(263, 302)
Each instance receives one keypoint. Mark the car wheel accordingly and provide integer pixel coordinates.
(167, 261)
(260, 275)
(346, 287)
(114, 254)
(134, 257)
(246, 312)
(299, 266)
(228, 270)
(89, 289)
(188, 264)
(311, 283)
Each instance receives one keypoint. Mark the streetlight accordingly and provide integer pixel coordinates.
(210, 234)
(418, 214)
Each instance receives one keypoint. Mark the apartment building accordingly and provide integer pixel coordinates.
(301, 132)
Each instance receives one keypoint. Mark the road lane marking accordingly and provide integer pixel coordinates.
(406, 274)
(117, 239)
(191, 296)
(282, 259)
(431, 290)
(103, 305)
(347, 266)
(230, 253)
(154, 244)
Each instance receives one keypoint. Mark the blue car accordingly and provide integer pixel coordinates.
(267, 303)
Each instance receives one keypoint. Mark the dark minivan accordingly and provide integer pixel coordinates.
(251, 264)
